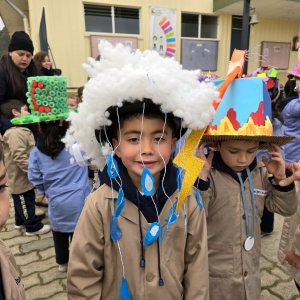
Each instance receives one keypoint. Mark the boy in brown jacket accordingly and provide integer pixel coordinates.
(129, 242)
(17, 143)
(11, 286)
(235, 188)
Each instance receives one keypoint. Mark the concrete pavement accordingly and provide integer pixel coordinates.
(36, 260)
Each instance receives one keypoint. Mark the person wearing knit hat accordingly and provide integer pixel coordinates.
(15, 66)
(20, 40)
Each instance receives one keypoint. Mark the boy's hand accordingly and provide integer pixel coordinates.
(295, 169)
(276, 166)
(293, 259)
(208, 160)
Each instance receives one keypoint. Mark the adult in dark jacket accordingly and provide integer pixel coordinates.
(15, 67)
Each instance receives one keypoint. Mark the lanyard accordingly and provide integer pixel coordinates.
(245, 204)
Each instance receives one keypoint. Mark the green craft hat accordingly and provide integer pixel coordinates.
(47, 99)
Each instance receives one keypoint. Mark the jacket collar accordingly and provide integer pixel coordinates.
(219, 164)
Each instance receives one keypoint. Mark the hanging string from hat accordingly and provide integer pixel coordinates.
(254, 55)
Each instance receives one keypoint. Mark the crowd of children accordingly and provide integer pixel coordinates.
(156, 228)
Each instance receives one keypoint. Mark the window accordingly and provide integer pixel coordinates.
(199, 26)
(111, 19)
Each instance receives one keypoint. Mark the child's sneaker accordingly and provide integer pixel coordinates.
(43, 230)
(63, 268)
(19, 226)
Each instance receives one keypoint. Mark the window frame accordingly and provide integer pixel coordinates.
(112, 8)
(200, 26)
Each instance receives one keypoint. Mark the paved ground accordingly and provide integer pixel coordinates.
(35, 258)
(276, 284)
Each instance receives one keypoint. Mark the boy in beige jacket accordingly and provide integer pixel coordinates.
(235, 188)
(11, 286)
(129, 242)
(18, 141)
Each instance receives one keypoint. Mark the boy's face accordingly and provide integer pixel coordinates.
(23, 112)
(72, 103)
(238, 154)
(146, 143)
(4, 197)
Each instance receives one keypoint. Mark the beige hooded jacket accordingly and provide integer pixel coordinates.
(234, 272)
(17, 145)
(95, 267)
(13, 286)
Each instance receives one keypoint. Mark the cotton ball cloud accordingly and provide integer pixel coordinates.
(125, 75)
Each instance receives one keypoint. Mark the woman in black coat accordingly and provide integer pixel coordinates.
(15, 67)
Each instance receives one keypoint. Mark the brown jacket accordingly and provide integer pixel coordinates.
(95, 268)
(235, 273)
(13, 286)
(290, 238)
(17, 144)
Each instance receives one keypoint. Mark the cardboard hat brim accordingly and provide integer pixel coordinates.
(30, 119)
(264, 141)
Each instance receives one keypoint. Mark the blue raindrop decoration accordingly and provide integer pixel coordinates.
(115, 231)
(152, 233)
(112, 167)
(172, 218)
(124, 290)
(198, 199)
(147, 182)
(120, 204)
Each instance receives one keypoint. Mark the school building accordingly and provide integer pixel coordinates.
(201, 34)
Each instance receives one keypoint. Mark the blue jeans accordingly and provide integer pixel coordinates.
(25, 211)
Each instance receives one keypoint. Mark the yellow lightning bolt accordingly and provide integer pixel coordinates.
(191, 164)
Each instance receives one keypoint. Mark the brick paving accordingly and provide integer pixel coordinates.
(36, 261)
(276, 283)
(35, 258)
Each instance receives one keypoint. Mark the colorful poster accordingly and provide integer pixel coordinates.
(163, 31)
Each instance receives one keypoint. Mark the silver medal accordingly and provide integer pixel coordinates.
(249, 243)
